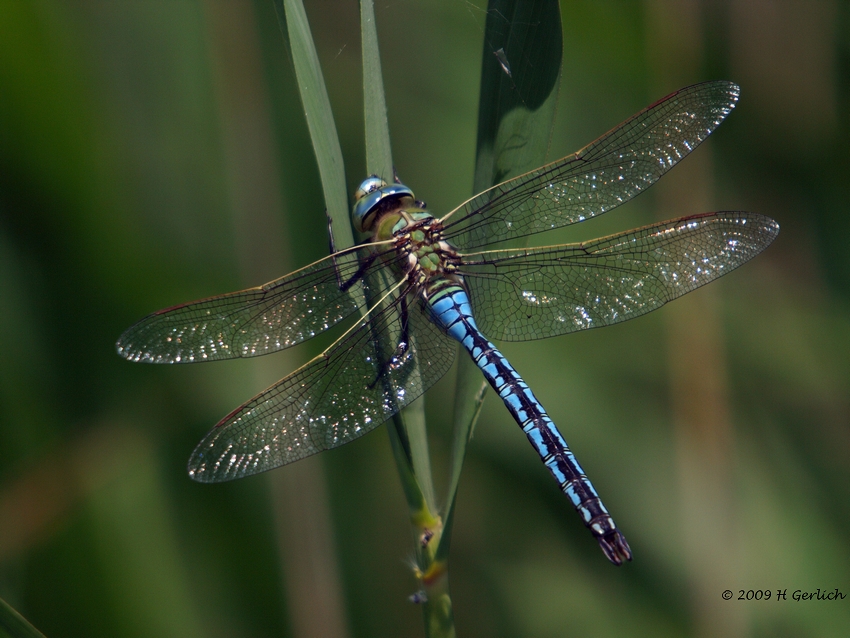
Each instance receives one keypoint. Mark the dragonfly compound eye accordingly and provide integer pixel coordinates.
(368, 185)
(373, 196)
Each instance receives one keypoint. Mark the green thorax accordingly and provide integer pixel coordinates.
(391, 212)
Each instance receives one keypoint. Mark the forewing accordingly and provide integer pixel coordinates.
(604, 174)
(259, 320)
(354, 386)
(519, 295)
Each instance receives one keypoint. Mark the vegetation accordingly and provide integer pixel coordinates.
(158, 152)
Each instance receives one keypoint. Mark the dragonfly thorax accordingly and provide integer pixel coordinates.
(432, 262)
(389, 211)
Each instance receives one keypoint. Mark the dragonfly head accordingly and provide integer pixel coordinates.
(373, 196)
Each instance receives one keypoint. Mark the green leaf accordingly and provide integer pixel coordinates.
(13, 625)
(379, 159)
(408, 432)
(408, 429)
(317, 110)
(520, 76)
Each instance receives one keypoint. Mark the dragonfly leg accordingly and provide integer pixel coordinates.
(357, 276)
(345, 284)
(331, 243)
(398, 357)
(332, 246)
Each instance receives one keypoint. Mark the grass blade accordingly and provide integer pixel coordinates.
(317, 110)
(410, 425)
(13, 625)
(379, 159)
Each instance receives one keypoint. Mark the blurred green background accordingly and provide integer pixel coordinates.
(156, 152)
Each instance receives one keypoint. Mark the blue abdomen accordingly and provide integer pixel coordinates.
(451, 310)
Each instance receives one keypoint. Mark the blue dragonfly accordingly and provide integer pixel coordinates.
(422, 284)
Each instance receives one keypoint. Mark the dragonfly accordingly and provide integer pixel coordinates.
(422, 284)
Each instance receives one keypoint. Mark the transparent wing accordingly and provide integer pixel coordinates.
(518, 295)
(354, 386)
(604, 174)
(259, 320)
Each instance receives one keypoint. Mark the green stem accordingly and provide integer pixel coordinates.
(439, 618)
(407, 431)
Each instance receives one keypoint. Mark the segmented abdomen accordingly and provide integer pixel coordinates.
(451, 311)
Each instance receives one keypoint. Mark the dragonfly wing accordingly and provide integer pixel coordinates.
(259, 320)
(524, 294)
(606, 173)
(362, 380)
